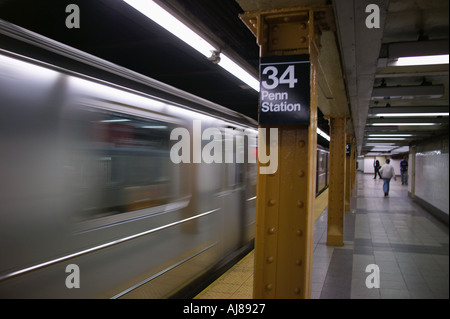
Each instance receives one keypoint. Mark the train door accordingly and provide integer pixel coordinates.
(250, 189)
(232, 195)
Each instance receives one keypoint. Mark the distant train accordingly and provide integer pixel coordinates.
(91, 204)
(322, 169)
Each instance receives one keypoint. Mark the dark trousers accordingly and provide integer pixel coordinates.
(377, 171)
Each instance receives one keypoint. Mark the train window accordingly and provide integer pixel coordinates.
(322, 171)
(119, 163)
(234, 170)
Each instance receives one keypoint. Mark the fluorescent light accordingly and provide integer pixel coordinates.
(404, 124)
(382, 149)
(380, 144)
(154, 12)
(115, 121)
(411, 114)
(237, 71)
(422, 60)
(156, 127)
(166, 20)
(390, 135)
(386, 138)
(402, 149)
(323, 134)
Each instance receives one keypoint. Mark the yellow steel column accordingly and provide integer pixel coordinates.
(335, 232)
(285, 199)
(353, 165)
(348, 174)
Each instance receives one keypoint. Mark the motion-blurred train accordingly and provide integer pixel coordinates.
(91, 204)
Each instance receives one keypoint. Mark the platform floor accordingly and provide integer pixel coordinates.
(409, 246)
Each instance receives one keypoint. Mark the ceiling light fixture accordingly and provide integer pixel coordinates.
(390, 135)
(421, 60)
(382, 149)
(115, 121)
(404, 124)
(166, 20)
(154, 12)
(323, 134)
(387, 138)
(229, 65)
(379, 144)
(156, 127)
(410, 114)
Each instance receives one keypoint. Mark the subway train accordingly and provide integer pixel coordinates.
(322, 169)
(98, 199)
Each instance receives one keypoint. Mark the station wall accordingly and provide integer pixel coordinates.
(430, 171)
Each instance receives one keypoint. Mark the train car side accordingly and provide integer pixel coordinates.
(88, 181)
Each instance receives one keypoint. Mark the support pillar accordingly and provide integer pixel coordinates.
(336, 188)
(348, 174)
(412, 172)
(285, 199)
(353, 166)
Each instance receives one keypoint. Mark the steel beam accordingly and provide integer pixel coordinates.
(336, 189)
(416, 48)
(402, 91)
(408, 109)
(348, 183)
(285, 199)
(353, 166)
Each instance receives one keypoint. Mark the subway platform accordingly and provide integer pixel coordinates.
(409, 246)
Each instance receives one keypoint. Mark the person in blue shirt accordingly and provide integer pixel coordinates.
(404, 171)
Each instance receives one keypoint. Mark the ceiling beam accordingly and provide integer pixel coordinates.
(360, 47)
(382, 142)
(394, 130)
(417, 48)
(440, 120)
(413, 90)
(330, 78)
(410, 71)
(408, 109)
(264, 5)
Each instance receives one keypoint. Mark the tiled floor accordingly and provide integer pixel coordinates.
(409, 247)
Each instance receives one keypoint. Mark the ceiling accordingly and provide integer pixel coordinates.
(114, 31)
(374, 86)
(356, 78)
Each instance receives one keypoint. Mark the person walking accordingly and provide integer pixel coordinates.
(404, 171)
(376, 167)
(387, 172)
